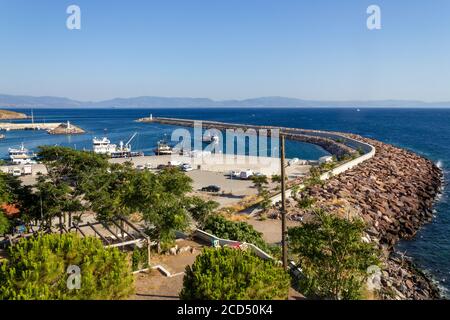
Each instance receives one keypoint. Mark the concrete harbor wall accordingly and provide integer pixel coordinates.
(28, 126)
(51, 128)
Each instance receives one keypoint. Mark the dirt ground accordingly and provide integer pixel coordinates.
(154, 285)
(270, 228)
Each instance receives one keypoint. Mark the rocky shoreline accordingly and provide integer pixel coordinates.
(394, 193)
(11, 115)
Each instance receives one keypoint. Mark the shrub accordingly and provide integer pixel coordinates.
(306, 201)
(332, 256)
(232, 274)
(276, 178)
(139, 258)
(36, 269)
(238, 231)
(4, 223)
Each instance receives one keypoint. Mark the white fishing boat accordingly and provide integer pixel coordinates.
(21, 155)
(105, 147)
(163, 149)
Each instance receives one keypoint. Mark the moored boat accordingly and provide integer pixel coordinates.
(21, 155)
(210, 138)
(104, 146)
(163, 149)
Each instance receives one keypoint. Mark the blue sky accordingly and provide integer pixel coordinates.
(224, 49)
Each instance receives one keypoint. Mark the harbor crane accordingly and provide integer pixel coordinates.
(127, 144)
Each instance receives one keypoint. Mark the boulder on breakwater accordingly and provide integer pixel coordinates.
(394, 193)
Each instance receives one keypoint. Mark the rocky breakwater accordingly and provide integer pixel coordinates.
(394, 193)
(66, 129)
(333, 147)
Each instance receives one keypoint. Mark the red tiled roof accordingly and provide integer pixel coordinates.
(10, 209)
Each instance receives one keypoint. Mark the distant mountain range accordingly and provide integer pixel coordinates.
(12, 101)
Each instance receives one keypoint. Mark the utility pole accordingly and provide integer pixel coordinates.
(283, 202)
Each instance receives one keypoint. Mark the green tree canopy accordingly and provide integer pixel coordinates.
(232, 274)
(60, 190)
(332, 256)
(5, 197)
(4, 223)
(36, 269)
(259, 182)
(70, 165)
(201, 210)
(160, 198)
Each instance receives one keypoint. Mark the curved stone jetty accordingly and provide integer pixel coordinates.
(394, 191)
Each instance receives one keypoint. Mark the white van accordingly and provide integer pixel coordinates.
(174, 163)
(27, 169)
(246, 174)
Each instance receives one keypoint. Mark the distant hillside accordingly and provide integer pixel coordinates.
(10, 101)
(9, 115)
(32, 102)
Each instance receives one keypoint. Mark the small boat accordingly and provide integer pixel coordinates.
(21, 155)
(358, 110)
(210, 138)
(163, 149)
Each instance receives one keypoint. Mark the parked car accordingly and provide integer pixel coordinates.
(186, 167)
(161, 166)
(16, 172)
(235, 174)
(211, 188)
(140, 167)
(325, 159)
(259, 174)
(293, 161)
(148, 166)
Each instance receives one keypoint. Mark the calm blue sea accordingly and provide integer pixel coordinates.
(424, 131)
